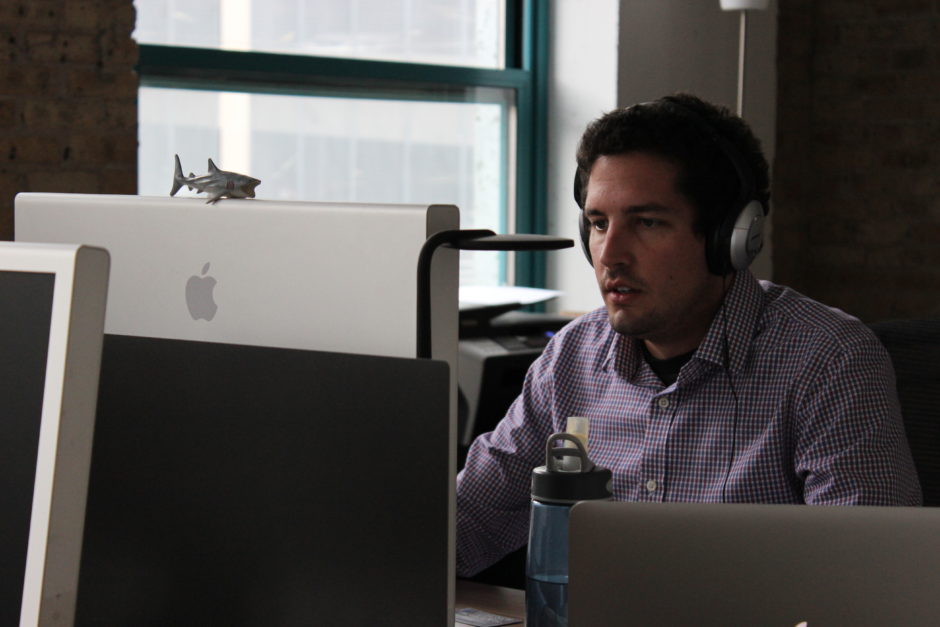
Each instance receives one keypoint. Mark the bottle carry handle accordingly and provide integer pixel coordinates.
(553, 454)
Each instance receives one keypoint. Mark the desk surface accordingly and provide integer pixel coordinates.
(492, 599)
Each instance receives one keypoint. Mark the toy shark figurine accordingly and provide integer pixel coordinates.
(217, 183)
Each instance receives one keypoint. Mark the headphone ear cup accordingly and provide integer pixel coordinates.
(584, 227)
(737, 240)
(747, 235)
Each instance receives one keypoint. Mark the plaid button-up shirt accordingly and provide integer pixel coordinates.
(785, 401)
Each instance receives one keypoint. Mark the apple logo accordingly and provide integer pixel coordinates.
(199, 296)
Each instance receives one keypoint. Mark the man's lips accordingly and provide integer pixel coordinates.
(620, 293)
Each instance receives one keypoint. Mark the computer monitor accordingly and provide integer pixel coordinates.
(297, 275)
(322, 276)
(253, 486)
(52, 305)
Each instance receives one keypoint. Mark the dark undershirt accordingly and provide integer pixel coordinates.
(666, 369)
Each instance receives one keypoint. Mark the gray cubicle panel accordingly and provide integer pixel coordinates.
(52, 305)
(239, 485)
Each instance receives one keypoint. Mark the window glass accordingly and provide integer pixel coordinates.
(341, 149)
(448, 32)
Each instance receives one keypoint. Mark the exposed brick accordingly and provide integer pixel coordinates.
(7, 112)
(10, 184)
(925, 234)
(857, 193)
(124, 181)
(55, 47)
(901, 8)
(117, 48)
(66, 71)
(84, 15)
(25, 80)
(933, 209)
(102, 149)
(121, 14)
(61, 181)
(47, 113)
(120, 114)
(89, 82)
(31, 13)
(34, 149)
(842, 9)
(13, 47)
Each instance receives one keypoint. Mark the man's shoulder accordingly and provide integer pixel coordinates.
(590, 332)
(592, 325)
(790, 313)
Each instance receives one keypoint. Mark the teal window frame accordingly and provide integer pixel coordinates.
(525, 74)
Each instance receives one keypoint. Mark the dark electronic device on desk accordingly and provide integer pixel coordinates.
(244, 485)
(496, 347)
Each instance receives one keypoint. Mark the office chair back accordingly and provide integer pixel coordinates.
(914, 346)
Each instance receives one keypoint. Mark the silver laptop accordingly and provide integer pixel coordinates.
(768, 565)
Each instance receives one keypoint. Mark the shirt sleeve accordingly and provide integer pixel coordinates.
(851, 448)
(493, 487)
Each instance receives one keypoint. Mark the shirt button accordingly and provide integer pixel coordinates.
(651, 485)
(663, 401)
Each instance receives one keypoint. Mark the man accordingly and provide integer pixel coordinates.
(700, 383)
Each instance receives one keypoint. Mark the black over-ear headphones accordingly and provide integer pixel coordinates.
(739, 236)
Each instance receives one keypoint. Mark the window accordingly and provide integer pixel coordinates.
(403, 101)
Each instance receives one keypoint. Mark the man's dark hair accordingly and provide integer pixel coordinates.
(681, 129)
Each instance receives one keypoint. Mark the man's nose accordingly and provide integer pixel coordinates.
(616, 247)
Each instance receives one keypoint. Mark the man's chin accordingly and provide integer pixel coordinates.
(639, 328)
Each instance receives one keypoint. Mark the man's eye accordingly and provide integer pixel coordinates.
(599, 225)
(649, 223)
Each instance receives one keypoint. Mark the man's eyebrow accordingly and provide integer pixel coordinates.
(635, 209)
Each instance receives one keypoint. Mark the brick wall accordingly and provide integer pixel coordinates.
(68, 99)
(857, 169)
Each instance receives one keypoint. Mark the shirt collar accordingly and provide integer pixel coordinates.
(626, 358)
(735, 324)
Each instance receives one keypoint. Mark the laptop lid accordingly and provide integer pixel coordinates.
(52, 302)
(769, 565)
(255, 486)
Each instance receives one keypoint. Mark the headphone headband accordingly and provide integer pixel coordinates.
(738, 238)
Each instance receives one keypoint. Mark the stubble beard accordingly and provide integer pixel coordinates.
(657, 325)
(641, 328)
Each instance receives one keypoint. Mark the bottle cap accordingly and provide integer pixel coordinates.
(579, 426)
(552, 484)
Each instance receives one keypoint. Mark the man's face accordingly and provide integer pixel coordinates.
(650, 264)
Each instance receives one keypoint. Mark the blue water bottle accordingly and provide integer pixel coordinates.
(567, 477)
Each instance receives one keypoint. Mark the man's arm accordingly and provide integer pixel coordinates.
(493, 488)
(851, 448)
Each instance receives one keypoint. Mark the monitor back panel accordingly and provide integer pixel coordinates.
(321, 276)
(720, 564)
(239, 485)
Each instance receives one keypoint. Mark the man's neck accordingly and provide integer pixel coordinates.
(691, 337)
